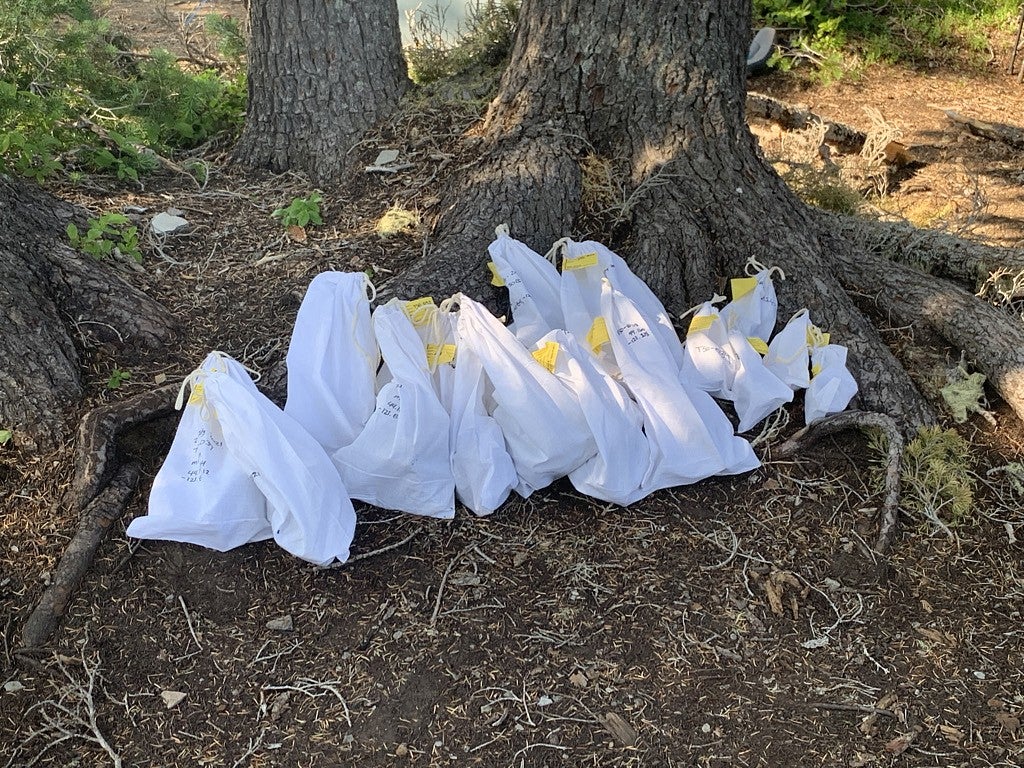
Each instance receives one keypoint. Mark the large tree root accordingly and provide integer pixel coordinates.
(990, 337)
(935, 252)
(96, 520)
(98, 434)
(840, 422)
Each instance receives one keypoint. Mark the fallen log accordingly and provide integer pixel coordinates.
(1007, 134)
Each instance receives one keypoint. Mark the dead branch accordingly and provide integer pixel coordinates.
(845, 420)
(1007, 134)
(96, 520)
(789, 116)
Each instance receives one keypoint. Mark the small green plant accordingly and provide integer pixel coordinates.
(301, 212)
(110, 234)
(938, 481)
(117, 378)
(5, 436)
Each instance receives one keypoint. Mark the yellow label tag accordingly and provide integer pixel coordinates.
(597, 336)
(741, 286)
(419, 311)
(758, 344)
(701, 323)
(815, 370)
(496, 279)
(580, 262)
(815, 338)
(198, 396)
(547, 355)
(438, 354)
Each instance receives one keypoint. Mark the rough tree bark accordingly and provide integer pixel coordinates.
(52, 296)
(320, 73)
(658, 90)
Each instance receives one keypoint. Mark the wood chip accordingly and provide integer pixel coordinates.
(624, 733)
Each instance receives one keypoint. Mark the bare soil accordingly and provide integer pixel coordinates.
(740, 621)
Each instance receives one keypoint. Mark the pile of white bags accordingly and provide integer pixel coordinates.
(415, 405)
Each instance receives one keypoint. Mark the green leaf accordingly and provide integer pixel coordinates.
(5, 436)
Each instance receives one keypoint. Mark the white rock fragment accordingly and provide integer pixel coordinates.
(13, 686)
(282, 624)
(172, 698)
(167, 224)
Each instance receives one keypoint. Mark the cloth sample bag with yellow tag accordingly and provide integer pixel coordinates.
(689, 435)
(402, 459)
(333, 359)
(584, 266)
(308, 507)
(533, 287)
(788, 353)
(545, 431)
(616, 472)
(754, 306)
(484, 472)
(709, 363)
(832, 385)
(202, 494)
(756, 391)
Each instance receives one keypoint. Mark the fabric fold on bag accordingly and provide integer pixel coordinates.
(533, 286)
(402, 460)
(544, 428)
(332, 359)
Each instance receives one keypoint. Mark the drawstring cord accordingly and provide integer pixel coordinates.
(758, 267)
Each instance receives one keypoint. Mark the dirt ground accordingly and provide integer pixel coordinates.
(740, 621)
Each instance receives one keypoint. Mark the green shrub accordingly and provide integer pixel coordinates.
(73, 96)
(301, 211)
(484, 40)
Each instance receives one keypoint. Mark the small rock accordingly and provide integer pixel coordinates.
(545, 701)
(519, 558)
(401, 751)
(172, 698)
(282, 624)
(386, 157)
(167, 224)
(13, 686)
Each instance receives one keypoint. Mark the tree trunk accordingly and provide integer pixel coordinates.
(52, 296)
(320, 74)
(656, 92)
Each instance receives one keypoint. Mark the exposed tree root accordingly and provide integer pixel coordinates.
(989, 336)
(840, 422)
(932, 251)
(842, 137)
(530, 182)
(98, 434)
(96, 520)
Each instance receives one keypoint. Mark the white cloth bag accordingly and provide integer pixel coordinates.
(533, 287)
(309, 511)
(202, 494)
(616, 472)
(402, 460)
(756, 391)
(754, 306)
(832, 385)
(332, 359)
(788, 353)
(709, 362)
(545, 431)
(690, 436)
(484, 472)
(584, 266)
